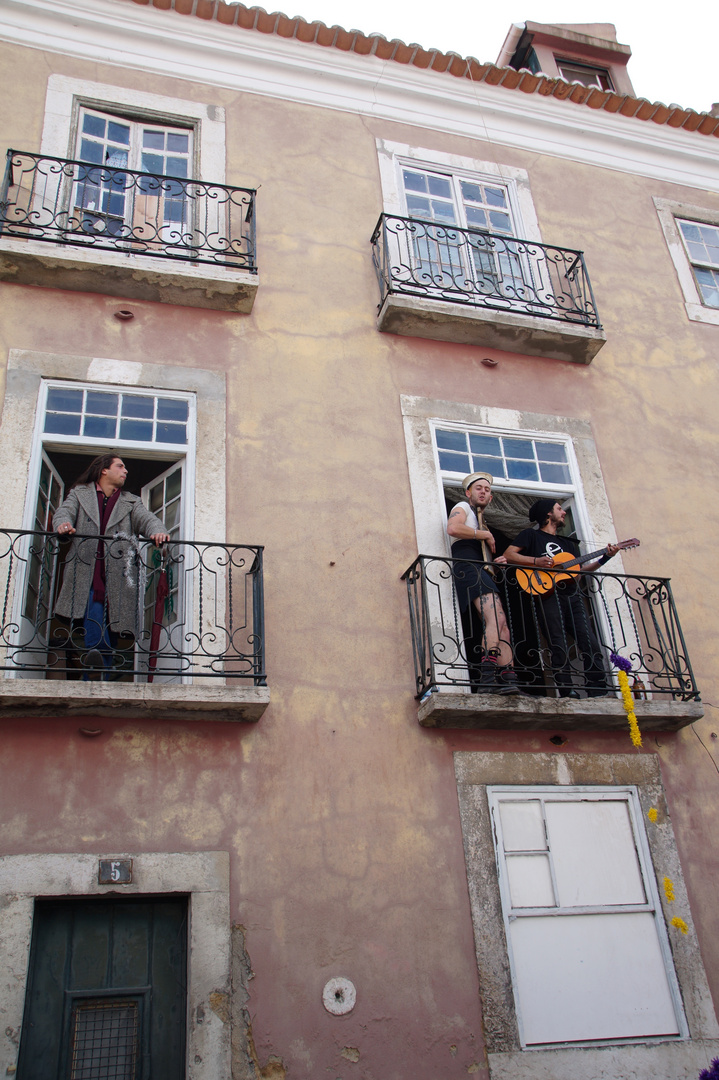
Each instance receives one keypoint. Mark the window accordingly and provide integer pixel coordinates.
(587, 945)
(504, 456)
(586, 74)
(155, 433)
(111, 202)
(611, 794)
(692, 236)
(702, 245)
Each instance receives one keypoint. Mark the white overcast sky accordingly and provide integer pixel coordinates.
(674, 45)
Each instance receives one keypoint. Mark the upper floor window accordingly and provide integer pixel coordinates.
(457, 200)
(504, 456)
(586, 74)
(692, 236)
(116, 417)
(702, 245)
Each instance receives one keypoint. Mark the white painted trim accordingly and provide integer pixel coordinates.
(420, 415)
(166, 43)
(393, 155)
(668, 212)
(65, 95)
(203, 875)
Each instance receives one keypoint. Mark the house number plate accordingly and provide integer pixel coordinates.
(115, 872)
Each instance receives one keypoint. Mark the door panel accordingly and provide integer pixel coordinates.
(106, 995)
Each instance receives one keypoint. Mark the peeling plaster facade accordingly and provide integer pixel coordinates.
(326, 831)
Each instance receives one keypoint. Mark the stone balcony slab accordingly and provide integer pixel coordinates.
(233, 702)
(129, 276)
(524, 713)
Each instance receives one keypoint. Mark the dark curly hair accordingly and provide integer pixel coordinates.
(95, 469)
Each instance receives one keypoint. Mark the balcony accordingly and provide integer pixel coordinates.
(629, 615)
(90, 228)
(478, 288)
(190, 644)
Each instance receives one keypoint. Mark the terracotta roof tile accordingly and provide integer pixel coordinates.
(396, 51)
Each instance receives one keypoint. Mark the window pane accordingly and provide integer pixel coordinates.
(519, 448)
(156, 497)
(174, 484)
(153, 140)
(418, 206)
(595, 861)
(496, 196)
(530, 881)
(477, 218)
(139, 430)
(522, 470)
(61, 400)
(133, 405)
(454, 462)
(499, 221)
(522, 825)
(118, 133)
(555, 474)
(708, 281)
(485, 444)
(439, 186)
(414, 181)
(91, 151)
(99, 427)
(176, 167)
(451, 440)
(152, 163)
(93, 125)
(177, 144)
(102, 404)
(62, 424)
(492, 465)
(170, 433)
(473, 192)
(171, 409)
(547, 451)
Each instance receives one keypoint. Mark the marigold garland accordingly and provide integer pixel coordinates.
(652, 814)
(669, 890)
(625, 666)
(680, 924)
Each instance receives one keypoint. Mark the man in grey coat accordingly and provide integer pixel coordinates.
(101, 581)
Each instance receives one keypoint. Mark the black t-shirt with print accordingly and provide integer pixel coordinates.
(535, 543)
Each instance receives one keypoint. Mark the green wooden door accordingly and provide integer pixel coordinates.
(106, 996)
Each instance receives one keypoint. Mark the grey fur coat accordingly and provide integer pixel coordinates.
(123, 570)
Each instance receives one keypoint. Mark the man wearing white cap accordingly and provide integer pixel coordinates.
(473, 542)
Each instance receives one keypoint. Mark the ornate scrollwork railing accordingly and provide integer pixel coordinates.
(599, 614)
(119, 209)
(481, 269)
(190, 609)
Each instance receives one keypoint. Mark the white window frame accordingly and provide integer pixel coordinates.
(66, 96)
(652, 905)
(475, 772)
(393, 157)
(669, 213)
(566, 492)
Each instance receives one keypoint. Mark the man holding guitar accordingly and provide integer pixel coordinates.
(561, 610)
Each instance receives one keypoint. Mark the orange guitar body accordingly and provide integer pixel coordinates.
(541, 582)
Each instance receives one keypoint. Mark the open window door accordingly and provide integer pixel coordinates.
(165, 623)
(37, 572)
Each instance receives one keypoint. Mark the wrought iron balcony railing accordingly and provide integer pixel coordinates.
(481, 269)
(600, 614)
(119, 209)
(188, 610)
